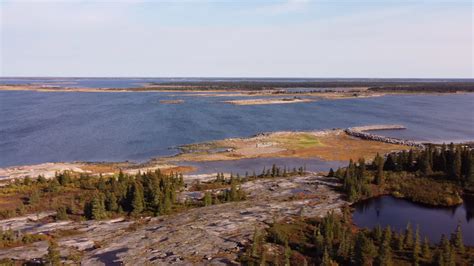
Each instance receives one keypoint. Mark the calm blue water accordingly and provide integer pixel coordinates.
(257, 165)
(433, 222)
(38, 127)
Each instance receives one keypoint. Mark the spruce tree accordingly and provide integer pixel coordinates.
(440, 261)
(389, 163)
(207, 198)
(400, 241)
(365, 250)
(53, 256)
(34, 197)
(377, 233)
(98, 208)
(387, 235)
(331, 173)
(138, 203)
(167, 204)
(326, 260)
(426, 251)
(255, 243)
(385, 254)
(416, 248)
(61, 213)
(111, 202)
(447, 252)
(456, 172)
(408, 236)
(457, 239)
(379, 177)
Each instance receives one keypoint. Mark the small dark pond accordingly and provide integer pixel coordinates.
(433, 222)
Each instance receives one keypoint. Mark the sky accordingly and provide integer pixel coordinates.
(223, 38)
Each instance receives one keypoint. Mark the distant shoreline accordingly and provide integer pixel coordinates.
(328, 94)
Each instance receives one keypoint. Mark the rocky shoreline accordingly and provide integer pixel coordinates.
(214, 235)
(361, 132)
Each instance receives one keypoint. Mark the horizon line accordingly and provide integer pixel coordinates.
(237, 77)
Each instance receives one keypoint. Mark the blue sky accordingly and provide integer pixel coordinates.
(293, 38)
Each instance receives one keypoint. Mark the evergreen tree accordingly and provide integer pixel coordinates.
(456, 172)
(339, 173)
(111, 202)
(385, 254)
(408, 236)
(167, 204)
(365, 250)
(400, 240)
(377, 233)
(387, 235)
(53, 257)
(61, 213)
(63, 178)
(344, 244)
(318, 239)
(34, 197)
(416, 248)
(326, 260)
(97, 211)
(457, 239)
(446, 252)
(138, 203)
(207, 198)
(442, 164)
(379, 177)
(361, 169)
(256, 243)
(389, 163)
(424, 163)
(426, 251)
(331, 173)
(41, 179)
(440, 261)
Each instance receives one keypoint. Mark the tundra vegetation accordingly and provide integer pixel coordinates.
(80, 196)
(131, 196)
(333, 240)
(437, 175)
(87, 197)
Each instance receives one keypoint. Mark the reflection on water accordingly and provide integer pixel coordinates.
(433, 222)
(258, 164)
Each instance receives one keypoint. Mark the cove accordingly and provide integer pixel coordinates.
(433, 221)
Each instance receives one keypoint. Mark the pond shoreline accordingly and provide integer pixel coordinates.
(386, 210)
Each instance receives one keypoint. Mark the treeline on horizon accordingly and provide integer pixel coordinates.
(375, 85)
